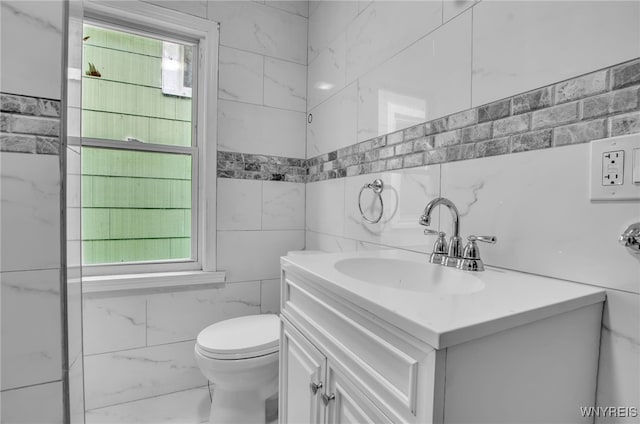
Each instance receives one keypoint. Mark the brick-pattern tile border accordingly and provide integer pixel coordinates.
(600, 104)
(29, 125)
(261, 167)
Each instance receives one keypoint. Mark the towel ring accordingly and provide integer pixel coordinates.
(376, 186)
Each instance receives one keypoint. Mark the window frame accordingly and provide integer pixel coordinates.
(173, 26)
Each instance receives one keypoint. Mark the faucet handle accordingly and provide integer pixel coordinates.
(429, 232)
(440, 247)
(485, 239)
(470, 260)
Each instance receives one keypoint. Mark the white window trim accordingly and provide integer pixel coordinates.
(202, 271)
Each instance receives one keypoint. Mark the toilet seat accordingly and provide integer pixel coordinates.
(240, 338)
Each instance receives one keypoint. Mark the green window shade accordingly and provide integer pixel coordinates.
(136, 206)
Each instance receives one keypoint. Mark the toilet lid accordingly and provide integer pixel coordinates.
(238, 338)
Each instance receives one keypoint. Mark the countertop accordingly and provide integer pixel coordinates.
(506, 299)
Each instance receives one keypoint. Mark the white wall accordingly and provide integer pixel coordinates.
(139, 344)
(30, 261)
(438, 58)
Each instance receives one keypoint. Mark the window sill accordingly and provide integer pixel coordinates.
(108, 283)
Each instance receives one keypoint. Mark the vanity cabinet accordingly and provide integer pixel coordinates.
(342, 363)
(305, 372)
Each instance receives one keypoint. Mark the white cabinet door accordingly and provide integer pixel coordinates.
(347, 405)
(302, 372)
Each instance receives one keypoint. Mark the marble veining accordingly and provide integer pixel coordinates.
(179, 316)
(31, 351)
(30, 211)
(38, 26)
(113, 378)
(184, 407)
(240, 75)
(112, 324)
(501, 66)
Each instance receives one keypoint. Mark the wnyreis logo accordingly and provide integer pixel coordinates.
(609, 411)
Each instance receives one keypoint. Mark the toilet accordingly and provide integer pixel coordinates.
(239, 356)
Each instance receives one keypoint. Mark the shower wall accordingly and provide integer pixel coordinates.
(30, 164)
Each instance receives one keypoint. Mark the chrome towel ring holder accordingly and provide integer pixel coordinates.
(376, 186)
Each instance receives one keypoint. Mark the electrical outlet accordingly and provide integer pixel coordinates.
(613, 168)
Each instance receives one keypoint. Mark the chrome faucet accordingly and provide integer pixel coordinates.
(454, 249)
(452, 254)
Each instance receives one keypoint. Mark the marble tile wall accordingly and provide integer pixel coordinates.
(546, 44)
(262, 83)
(139, 344)
(32, 366)
(595, 105)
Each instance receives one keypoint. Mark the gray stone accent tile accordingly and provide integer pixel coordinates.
(394, 163)
(49, 108)
(579, 133)
(378, 166)
(422, 144)
(532, 100)
(614, 102)
(36, 125)
(584, 86)
(437, 126)
(478, 132)
(531, 141)
(554, 116)
(461, 152)
(327, 166)
(294, 178)
(17, 143)
(625, 124)
(447, 138)
(372, 155)
(18, 104)
(346, 151)
(386, 152)
(414, 132)
(404, 148)
(495, 110)
(626, 74)
(498, 146)
(352, 160)
(435, 156)
(5, 122)
(463, 119)
(415, 159)
(511, 125)
(48, 145)
(364, 146)
(379, 142)
(396, 137)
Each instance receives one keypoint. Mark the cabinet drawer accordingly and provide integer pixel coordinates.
(388, 365)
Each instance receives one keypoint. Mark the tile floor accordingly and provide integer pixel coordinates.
(185, 407)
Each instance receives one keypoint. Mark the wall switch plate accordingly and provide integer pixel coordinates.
(613, 167)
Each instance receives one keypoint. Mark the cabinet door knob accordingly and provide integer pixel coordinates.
(326, 399)
(315, 386)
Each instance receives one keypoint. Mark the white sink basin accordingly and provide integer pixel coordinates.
(409, 275)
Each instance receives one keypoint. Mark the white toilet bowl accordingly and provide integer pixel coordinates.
(240, 358)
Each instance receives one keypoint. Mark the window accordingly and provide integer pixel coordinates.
(143, 156)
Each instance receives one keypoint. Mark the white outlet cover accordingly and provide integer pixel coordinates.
(625, 191)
